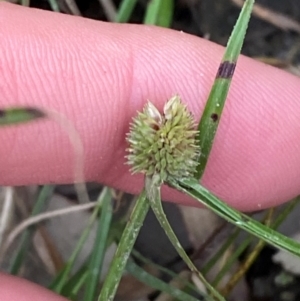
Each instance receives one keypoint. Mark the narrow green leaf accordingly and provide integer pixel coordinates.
(125, 246)
(75, 283)
(160, 13)
(156, 283)
(60, 281)
(97, 256)
(211, 262)
(16, 115)
(246, 242)
(230, 261)
(285, 212)
(19, 257)
(188, 285)
(214, 106)
(54, 5)
(152, 186)
(204, 196)
(125, 11)
(25, 2)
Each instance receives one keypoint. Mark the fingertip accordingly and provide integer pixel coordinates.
(14, 288)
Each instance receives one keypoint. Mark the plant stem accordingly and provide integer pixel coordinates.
(214, 106)
(245, 222)
(60, 281)
(153, 192)
(125, 11)
(125, 246)
(157, 283)
(19, 257)
(100, 244)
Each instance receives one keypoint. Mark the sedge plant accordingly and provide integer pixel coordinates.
(168, 148)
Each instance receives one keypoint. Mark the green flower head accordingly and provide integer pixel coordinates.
(163, 144)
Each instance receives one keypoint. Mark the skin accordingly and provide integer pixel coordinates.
(98, 75)
(13, 288)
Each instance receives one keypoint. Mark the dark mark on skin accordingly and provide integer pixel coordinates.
(226, 70)
(214, 117)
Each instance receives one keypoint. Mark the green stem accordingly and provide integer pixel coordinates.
(153, 188)
(43, 196)
(214, 106)
(159, 13)
(54, 5)
(125, 246)
(204, 196)
(125, 11)
(156, 283)
(97, 256)
(166, 271)
(58, 284)
(211, 262)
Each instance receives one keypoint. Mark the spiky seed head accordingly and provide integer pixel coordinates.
(163, 144)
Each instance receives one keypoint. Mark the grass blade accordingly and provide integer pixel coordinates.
(154, 195)
(125, 11)
(97, 256)
(160, 13)
(156, 283)
(18, 258)
(60, 281)
(211, 262)
(212, 112)
(125, 246)
(247, 263)
(188, 285)
(205, 197)
(25, 2)
(231, 260)
(16, 115)
(54, 5)
(75, 283)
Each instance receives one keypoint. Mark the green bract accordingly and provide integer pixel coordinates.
(163, 144)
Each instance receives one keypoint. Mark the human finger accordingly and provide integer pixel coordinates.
(14, 288)
(99, 74)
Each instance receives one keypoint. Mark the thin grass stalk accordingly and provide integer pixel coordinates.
(54, 5)
(17, 115)
(230, 261)
(205, 197)
(257, 249)
(125, 246)
(76, 282)
(156, 283)
(6, 212)
(159, 13)
(190, 286)
(212, 261)
(18, 258)
(25, 3)
(241, 249)
(156, 205)
(285, 212)
(214, 106)
(125, 11)
(60, 281)
(98, 253)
